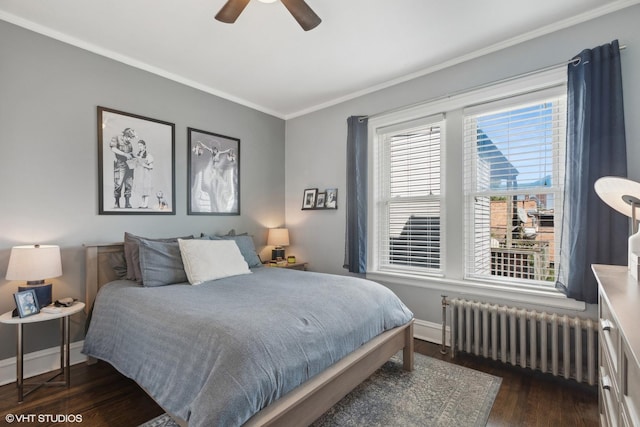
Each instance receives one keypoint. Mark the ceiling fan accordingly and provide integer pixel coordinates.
(300, 10)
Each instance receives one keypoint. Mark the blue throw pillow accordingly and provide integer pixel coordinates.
(132, 253)
(161, 263)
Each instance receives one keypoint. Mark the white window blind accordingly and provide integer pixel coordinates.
(514, 175)
(408, 203)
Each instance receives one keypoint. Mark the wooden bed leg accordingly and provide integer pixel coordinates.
(407, 351)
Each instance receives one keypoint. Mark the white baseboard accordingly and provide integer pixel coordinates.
(429, 331)
(39, 362)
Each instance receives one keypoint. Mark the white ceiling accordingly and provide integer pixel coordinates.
(267, 62)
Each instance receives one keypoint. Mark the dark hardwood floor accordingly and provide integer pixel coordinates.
(103, 397)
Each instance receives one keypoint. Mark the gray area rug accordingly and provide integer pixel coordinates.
(435, 394)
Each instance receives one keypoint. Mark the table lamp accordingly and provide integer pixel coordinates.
(278, 237)
(34, 263)
(623, 195)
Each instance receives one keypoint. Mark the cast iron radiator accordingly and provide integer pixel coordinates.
(551, 343)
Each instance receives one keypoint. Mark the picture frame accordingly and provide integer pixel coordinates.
(309, 198)
(213, 171)
(331, 201)
(26, 303)
(136, 164)
(320, 200)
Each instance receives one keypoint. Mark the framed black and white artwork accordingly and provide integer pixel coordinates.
(213, 169)
(331, 200)
(309, 198)
(136, 164)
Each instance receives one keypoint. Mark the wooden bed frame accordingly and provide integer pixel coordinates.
(310, 400)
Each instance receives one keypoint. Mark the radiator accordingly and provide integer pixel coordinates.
(558, 344)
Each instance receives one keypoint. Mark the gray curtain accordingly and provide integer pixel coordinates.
(592, 232)
(355, 254)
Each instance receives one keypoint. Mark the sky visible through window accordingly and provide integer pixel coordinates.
(524, 137)
(519, 144)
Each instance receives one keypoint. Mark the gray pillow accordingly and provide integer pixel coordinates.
(161, 263)
(118, 264)
(246, 246)
(232, 233)
(247, 249)
(132, 254)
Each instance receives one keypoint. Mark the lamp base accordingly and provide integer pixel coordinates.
(277, 253)
(43, 293)
(634, 265)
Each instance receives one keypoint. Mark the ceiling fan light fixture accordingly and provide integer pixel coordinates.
(231, 10)
(302, 13)
(299, 9)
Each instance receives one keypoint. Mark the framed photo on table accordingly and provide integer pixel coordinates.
(136, 164)
(26, 303)
(214, 174)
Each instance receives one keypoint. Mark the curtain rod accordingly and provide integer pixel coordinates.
(574, 61)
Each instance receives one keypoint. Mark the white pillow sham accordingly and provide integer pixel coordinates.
(211, 259)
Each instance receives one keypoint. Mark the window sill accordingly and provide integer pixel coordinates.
(551, 298)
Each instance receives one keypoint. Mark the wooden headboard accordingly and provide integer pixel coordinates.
(98, 269)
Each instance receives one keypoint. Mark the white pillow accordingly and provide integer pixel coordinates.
(211, 259)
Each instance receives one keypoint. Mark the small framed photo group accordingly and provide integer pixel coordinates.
(314, 199)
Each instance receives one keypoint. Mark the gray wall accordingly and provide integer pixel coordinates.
(49, 92)
(316, 143)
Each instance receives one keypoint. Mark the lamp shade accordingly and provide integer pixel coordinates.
(34, 263)
(621, 194)
(278, 237)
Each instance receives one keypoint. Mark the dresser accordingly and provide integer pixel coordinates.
(619, 336)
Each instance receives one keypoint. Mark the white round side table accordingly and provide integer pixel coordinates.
(63, 315)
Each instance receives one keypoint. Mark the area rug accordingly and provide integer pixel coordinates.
(436, 393)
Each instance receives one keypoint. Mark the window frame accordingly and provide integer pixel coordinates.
(452, 278)
(554, 93)
(382, 162)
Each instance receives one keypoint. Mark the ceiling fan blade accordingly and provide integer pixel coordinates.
(231, 10)
(302, 13)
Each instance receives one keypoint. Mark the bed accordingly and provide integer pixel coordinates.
(136, 330)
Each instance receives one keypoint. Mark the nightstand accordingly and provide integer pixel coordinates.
(63, 315)
(292, 265)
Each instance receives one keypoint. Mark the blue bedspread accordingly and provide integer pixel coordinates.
(217, 353)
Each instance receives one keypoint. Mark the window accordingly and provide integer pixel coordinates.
(468, 189)
(514, 164)
(408, 196)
